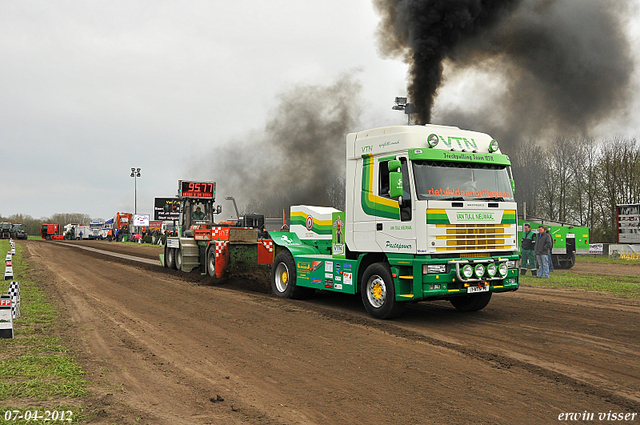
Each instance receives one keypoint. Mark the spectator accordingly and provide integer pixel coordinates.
(543, 249)
(528, 255)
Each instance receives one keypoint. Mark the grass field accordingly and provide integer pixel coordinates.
(37, 371)
(624, 286)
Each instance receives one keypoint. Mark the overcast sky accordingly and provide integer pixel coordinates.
(90, 89)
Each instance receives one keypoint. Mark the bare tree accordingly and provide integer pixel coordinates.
(527, 168)
(587, 191)
(66, 218)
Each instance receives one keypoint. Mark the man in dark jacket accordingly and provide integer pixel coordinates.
(543, 249)
(528, 256)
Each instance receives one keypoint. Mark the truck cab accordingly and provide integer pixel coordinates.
(456, 192)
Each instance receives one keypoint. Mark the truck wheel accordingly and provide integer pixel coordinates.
(378, 292)
(471, 302)
(211, 261)
(572, 260)
(170, 258)
(283, 278)
(178, 252)
(567, 261)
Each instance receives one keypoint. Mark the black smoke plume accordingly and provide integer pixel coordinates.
(426, 32)
(563, 66)
(297, 159)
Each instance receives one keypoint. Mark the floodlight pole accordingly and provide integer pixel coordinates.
(401, 104)
(135, 173)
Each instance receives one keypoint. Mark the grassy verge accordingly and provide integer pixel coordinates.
(624, 286)
(37, 372)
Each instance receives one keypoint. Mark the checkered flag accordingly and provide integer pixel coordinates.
(14, 292)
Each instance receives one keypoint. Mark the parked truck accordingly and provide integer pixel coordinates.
(51, 231)
(97, 230)
(77, 231)
(430, 214)
(122, 226)
(568, 239)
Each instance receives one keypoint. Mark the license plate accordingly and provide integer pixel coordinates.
(474, 289)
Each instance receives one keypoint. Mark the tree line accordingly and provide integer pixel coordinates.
(32, 225)
(578, 181)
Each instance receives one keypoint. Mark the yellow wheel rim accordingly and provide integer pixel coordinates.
(377, 291)
(285, 277)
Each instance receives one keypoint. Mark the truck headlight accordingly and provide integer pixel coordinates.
(479, 270)
(492, 269)
(512, 264)
(503, 269)
(434, 268)
(467, 271)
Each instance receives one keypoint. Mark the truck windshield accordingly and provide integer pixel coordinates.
(463, 181)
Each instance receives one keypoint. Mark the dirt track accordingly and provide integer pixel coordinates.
(167, 348)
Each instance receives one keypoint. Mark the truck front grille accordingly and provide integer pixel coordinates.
(472, 237)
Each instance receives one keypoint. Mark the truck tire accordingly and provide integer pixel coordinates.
(378, 292)
(567, 261)
(178, 252)
(283, 278)
(471, 302)
(170, 257)
(211, 261)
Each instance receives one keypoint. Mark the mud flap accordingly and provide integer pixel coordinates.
(222, 258)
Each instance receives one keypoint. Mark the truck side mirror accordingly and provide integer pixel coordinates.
(395, 180)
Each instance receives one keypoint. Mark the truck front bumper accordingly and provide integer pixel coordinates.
(446, 278)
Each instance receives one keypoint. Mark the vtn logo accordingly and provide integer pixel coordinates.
(368, 148)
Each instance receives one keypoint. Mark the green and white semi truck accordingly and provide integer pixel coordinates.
(429, 215)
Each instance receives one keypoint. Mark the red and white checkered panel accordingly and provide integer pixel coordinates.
(268, 244)
(220, 247)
